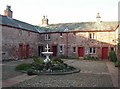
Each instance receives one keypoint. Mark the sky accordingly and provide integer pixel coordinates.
(61, 11)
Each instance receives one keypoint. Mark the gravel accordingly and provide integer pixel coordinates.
(92, 74)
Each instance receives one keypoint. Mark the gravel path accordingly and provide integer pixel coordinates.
(93, 74)
(72, 80)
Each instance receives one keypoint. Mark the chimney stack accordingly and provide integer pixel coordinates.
(8, 11)
(44, 21)
(98, 18)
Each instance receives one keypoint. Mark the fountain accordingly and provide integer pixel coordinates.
(47, 54)
(48, 66)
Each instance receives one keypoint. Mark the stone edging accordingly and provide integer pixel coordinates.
(59, 73)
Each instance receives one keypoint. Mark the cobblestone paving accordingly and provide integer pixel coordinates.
(93, 74)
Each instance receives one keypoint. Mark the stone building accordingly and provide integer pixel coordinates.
(23, 40)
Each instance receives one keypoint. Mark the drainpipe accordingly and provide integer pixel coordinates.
(66, 44)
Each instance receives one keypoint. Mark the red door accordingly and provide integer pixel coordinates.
(20, 51)
(105, 53)
(54, 50)
(81, 51)
(27, 51)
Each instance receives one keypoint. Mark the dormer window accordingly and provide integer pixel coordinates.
(47, 37)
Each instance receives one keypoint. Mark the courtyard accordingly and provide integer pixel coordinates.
(92, 74)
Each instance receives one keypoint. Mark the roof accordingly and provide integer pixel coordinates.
(61, 27)
(82, 26)
(16, 23)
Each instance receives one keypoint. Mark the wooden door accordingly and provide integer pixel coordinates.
(20, 51)
(81, 51)
(54, 50)
(105, 53)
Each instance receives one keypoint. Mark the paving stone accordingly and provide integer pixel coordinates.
(93, 74)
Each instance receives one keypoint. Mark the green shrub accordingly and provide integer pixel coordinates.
(117, 64)
(112, 56)
(37, 61)
(63, 57)
(23, 66)
(90, 58)
(57, 60)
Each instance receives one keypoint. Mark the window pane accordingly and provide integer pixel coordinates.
(90, 50)
(74, 49)
(61, 48)
(90, 35)
(60, 34)
(94, 50)
(48, 36)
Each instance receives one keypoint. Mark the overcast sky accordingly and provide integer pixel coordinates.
(61, 11)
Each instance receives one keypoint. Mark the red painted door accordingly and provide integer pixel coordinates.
(20, 51)
(27, 51)
(105, 53)
(81, 51)
(54, 50)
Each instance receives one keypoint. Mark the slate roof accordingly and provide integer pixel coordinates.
(62, 27)
(4, 20)
(83, 26)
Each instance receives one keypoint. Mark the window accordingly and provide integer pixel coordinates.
(74, 49)
(92, 50)
(47, 36)
(92, 35)
(61, 48)
(60, 34)
(74, 33)
(112, 49)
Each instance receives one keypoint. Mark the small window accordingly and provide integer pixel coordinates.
(47, 37)
(112, 49)
(60, 34)
(61, 48)
(92, 50)
(74, 33)
(74, 49)
(92, 35)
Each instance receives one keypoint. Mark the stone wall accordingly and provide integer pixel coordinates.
(82, 39)
(13, 37)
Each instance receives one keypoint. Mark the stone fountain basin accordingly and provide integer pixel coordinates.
(47, 53)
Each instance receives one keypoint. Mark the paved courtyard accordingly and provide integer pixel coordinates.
(92, 74)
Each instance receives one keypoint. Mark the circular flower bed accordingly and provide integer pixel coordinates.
(56, 66)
